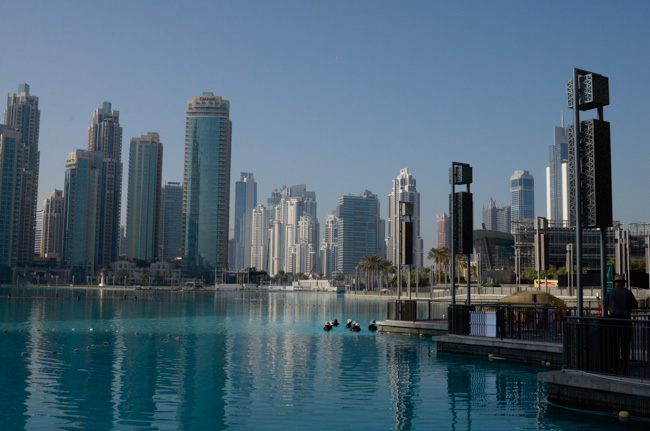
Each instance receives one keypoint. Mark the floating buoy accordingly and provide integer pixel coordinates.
(548, 364)
(54, 352)
(169, 335)
(135, 333)
(73, 329)
(151, 334)
(76, 350)
(421, 335)
(624, 414)
(105, 343)
(178, 337)
(165, 340)
(91, 329)
(490, 356)
(93, 346)
(106, 330)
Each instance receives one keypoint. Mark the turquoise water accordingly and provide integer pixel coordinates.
(250, 360)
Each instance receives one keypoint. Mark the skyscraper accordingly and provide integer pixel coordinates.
(522, 195)
(358, 230)
(171, 220)
(13, 160)
(143, 201)
(260, 238)
(52, 237)
(24, 116)
(557, 176)
(495, 218)
(82, 204)
(295, 232)
(404, 190)
(206, 195)
(245, 201)
(443, 231)
(105, 136)
(329, 246)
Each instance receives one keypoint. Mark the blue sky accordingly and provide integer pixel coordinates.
(341, 95)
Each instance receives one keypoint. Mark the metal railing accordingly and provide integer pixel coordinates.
(618, 347)
(509, 321)
(422, 310)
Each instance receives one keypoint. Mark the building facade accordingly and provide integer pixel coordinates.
(171, 221)
(443, 231)
(143, 197)
(404, 189)
(206, 183)
(105, 136)
(495, 218)
(245, 202)
(52, 234)
(83, 194)
(522, 195)
(358, 230)
(24, 116)
(13, 160)
(260, 238)
(330, 246)
(557, 176)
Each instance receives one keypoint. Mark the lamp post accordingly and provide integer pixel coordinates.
(461, 219)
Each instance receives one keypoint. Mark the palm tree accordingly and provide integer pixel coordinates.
(123, 273)
(371, 263)
(281, 277)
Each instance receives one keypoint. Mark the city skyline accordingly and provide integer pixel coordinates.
(309, 97)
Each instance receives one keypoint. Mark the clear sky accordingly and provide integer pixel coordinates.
(341, 95)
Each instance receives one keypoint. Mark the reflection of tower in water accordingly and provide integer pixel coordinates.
(403, 382)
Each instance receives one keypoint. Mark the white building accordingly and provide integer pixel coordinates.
(404, 190)
(260, 238)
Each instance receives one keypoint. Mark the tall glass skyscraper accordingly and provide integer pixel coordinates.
(105, 136)
(52, 236)
(522, 195)
(82, 204)
(24, 116)
(143, 201)
(245, 202)
(206, 196)
(171, 220)
(13, 159)
(358, 230)
(557, 176)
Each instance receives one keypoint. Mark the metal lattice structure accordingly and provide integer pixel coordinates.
(594, 91)
(595, 174)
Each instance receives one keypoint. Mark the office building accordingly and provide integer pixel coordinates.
(443, 231)
(557, 176)
(23, 115)
(52, 235)
(143, 197)
(83, 194)
(522, 195)
(404, 190)
(206, 195)
(171, 221)
(38, 232)
(13, 160)
(245, 202)
(495, 218)
(105, 136)
(358, 230)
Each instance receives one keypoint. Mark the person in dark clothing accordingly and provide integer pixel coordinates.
(335, 323)
(349, 324)
(619, 303)
(372, 326)
(328, 326)
(355, 327)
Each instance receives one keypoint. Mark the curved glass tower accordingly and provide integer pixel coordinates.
(206, 193)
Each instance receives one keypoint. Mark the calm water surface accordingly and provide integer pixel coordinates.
(251, 360)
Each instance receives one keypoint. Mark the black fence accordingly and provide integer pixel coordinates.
(508, 321)
(619, 347)
(423, 310)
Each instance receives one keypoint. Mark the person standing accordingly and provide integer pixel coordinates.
(619, 303)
